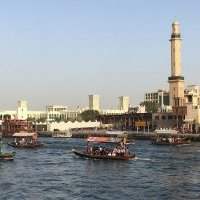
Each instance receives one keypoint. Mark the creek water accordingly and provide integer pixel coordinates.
(54, 172)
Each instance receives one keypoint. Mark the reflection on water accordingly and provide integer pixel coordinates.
(54, 172)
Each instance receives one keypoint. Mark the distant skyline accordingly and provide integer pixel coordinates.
(59, 52)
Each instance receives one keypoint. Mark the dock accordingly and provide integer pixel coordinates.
(130, 134)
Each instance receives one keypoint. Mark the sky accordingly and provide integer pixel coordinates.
(59, 51)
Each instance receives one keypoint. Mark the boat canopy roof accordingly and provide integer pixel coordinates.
(104, 139)
(25, 134)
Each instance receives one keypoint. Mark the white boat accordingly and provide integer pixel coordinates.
(115, 132)
(166, 130)
(63, 134)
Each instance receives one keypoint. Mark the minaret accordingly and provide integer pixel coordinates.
(176, 80)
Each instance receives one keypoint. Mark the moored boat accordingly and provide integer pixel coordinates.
(169, 137)
(166, 131)
(62, 134)
(95, 149)
(170, 141)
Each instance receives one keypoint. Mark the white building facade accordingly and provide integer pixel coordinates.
(52, 113)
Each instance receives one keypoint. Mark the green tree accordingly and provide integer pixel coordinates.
(7, 116)
(31, 119)
(151, 107)
(89, 115)
(42, 120)
(58, 119)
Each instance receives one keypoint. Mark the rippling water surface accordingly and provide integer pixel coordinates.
(53, 172)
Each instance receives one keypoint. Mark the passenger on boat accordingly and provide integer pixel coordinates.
(0, 145)
(91, 150)
(103, 151)
(100, 150)
(126, 151)
(22, 141)
(170, 140)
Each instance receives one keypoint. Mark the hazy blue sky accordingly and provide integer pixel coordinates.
(59, 51)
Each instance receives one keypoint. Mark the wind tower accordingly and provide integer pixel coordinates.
(176, 80)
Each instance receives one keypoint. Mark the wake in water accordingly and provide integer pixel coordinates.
(181, 145)
(143, 159)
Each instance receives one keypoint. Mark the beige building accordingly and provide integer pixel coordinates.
(192, 100)
(176, 80)
(61, 113)
(52, 113)
(22, 110)
(161, 97)
(23, 113)
(94, 102)
(124, 103)
(192, 94)
(122, 107)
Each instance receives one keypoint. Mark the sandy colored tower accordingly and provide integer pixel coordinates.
(94, 102)
(176, 80)
(124, 102)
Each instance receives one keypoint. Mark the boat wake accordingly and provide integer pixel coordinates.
(180, 145)
(143, 159)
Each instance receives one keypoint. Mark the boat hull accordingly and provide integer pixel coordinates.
(28, 146)
(171, 144)
(103, 157)
(7, 156)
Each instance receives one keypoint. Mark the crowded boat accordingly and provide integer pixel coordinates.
(98, 148)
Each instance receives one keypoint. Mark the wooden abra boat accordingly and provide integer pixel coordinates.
(104, 157)
(5, 156)
(119, 152)
(25, 140)
(31, 146)
(170, 141)
(169, 137)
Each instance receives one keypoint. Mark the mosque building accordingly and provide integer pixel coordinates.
(181, 96)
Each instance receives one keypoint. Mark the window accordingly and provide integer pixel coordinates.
(170, 117)
(156, 117)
